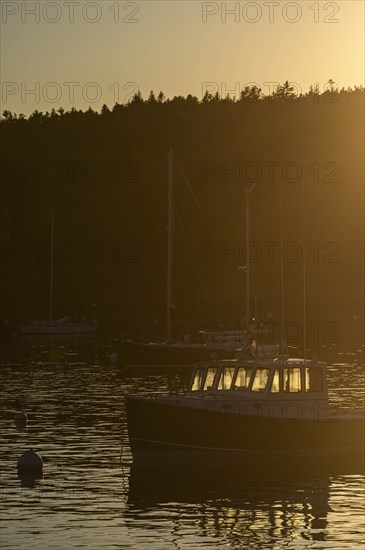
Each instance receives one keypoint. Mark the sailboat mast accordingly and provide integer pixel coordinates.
(170, 237)
(51, 268)
(304, 279)
(282, 269)
(247, 258)
(248, 297)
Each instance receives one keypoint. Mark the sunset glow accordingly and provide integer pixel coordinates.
(178, 47)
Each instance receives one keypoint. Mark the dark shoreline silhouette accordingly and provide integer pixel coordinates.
(106, 176)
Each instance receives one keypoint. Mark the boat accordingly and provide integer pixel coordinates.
(251, 404)
(213, 345)
(246, 406)
(68, 325)
(169, 353)
(256, 340)
(64, 326)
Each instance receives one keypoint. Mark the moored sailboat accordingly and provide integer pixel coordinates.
(170, 352)
(68, 325)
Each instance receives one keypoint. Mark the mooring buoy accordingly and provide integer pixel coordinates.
(20, 419)
(30, 463)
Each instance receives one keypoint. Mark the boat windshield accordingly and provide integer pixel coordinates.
(292, 380)
(197, 379)
(287, 379)
(261, 379)
(226, 378)
(313, 379)
(210, 378)
(243, 378)
(275, 385)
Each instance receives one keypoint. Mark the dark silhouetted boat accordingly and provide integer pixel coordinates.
(65, 326)
(246, 406)
(220, 345)
(68, 325)
(249, 405)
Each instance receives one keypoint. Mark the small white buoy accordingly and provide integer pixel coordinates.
(20, 419)
(30, 463)
(114, 357)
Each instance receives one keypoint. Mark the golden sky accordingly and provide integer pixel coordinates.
(81, 53)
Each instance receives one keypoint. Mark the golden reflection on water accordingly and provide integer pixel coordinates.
(87, 499)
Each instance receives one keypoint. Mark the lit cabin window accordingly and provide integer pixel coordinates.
(210, 378)
(275, 387)
(225, 379)
(292, 381)
(197, 380)
(261, 379)
(243, 378)
(313, 379)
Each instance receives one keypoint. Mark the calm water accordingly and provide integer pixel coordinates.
(89, 499)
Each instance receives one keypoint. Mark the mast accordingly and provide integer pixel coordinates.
(51, 268)
(282, 270)
(170, 238)
(248, 267)
(304, 278)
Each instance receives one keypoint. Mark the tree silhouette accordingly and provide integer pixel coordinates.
(152, 97)
(161, 97)
(105, 173)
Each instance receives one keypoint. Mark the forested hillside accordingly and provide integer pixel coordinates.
(105, 174)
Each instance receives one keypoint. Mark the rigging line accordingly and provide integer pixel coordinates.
(203, 285)
(268, 303)
(258, 287)
(204, 220)
(262, 291)
(188, 248)
(197, 278)
(191, 190)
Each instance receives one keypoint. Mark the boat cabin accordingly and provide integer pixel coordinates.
(270, 379)
(233, 338)
(251, 344)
